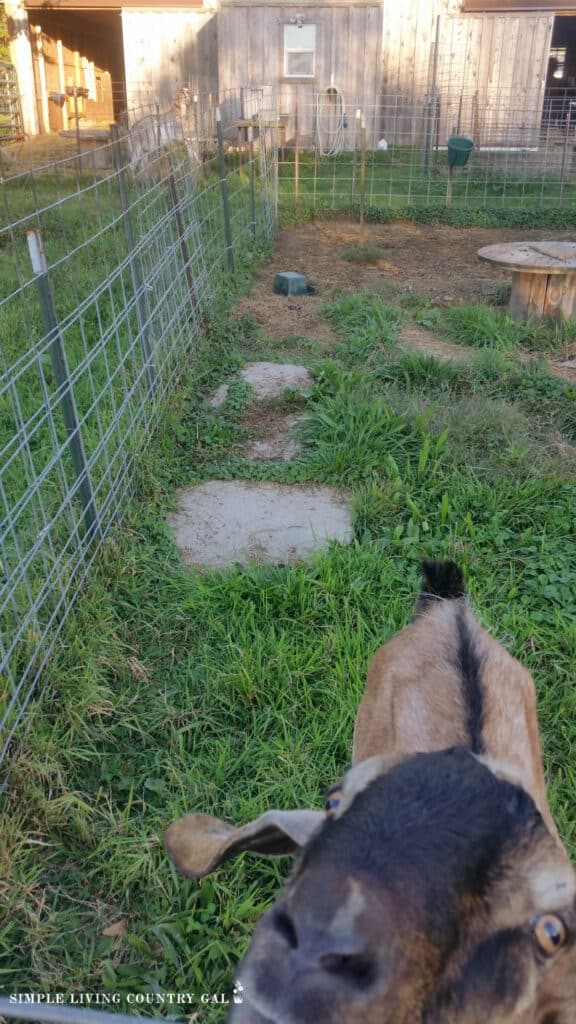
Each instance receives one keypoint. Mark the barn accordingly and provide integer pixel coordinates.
(496, 70)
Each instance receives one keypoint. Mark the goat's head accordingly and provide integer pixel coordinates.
(429, 892)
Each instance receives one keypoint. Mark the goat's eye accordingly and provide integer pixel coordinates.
(550, 933)
(333, 797)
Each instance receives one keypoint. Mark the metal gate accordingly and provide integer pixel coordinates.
(11, 124)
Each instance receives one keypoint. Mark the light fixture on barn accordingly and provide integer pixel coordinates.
(298, 20)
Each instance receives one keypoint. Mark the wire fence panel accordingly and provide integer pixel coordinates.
(524, 153)
(127, 244)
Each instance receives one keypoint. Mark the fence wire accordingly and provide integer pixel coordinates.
(129, 241)
(524, 153)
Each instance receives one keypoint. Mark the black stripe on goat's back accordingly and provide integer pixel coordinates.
(442, 579)
(469, 663)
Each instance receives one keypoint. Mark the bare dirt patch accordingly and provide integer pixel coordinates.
(436, 261)
(272, 433)
(412, 337)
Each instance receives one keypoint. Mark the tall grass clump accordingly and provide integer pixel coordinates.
(482, 326)
(368, 324)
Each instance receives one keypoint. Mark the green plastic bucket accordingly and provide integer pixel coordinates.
(459, 150)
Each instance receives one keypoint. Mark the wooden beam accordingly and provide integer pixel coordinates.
(529, 6)
(62, 80)
(110, 5)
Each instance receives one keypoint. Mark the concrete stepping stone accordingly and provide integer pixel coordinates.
(267, 380)
(223, 522)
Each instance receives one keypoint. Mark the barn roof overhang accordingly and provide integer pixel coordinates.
(109, 5)
(519, 6)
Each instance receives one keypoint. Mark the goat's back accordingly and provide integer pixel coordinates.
(443, 681)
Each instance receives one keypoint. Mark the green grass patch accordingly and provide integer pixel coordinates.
(482, 326)
(232, 691)
(362, 253)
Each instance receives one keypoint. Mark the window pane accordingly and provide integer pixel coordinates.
(300, 38)
(300, 64)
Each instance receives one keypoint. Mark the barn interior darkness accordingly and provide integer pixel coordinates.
(96, 35)
(563, 49)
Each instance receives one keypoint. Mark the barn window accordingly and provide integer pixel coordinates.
(299, 50)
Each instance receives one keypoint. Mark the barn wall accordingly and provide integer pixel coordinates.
(166, 50)
(348, 56)
(489, 74)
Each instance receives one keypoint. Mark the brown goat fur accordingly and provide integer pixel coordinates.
(435, 888)
(414, 699)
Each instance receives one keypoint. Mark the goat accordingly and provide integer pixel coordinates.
(149, 135)
(434, 888)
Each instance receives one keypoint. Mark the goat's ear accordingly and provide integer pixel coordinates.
(198, 843)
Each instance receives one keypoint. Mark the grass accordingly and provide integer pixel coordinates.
(365, 253)
(236, 690)
(398, 185)
(481, 326)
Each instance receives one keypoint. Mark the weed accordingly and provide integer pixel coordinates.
(359, 253)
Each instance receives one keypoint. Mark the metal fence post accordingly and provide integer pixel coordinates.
(252, 181)
(224, 189)
(564, 154)
(62, 375)
(181, 233)
(134, 262)
(296, 152)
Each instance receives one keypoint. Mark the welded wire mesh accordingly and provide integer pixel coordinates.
(134, 238)
(524, 152)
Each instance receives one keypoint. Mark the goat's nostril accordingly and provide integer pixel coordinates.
(356, 968)
(284, 925)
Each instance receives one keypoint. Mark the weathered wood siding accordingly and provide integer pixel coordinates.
(348, 56)
(489, 74)
(167, 50)
(487, 79)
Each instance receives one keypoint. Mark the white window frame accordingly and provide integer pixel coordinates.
(286, 50)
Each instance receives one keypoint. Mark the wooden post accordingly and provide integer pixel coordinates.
(362, 176)
(42, 77)
(78, 144)
(252, 181)
(429, 134)
(21, 57)
(355, 157)
(449, 186)
(62, 81)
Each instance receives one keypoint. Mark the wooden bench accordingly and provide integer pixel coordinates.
(543, 277)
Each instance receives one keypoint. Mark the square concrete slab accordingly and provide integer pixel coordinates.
(223, 522)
